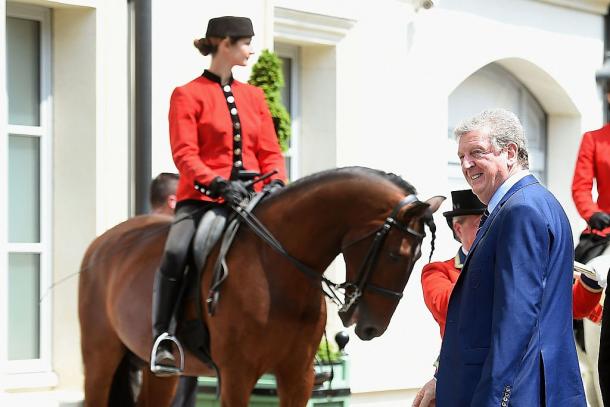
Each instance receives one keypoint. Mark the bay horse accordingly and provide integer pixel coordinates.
(271, 316)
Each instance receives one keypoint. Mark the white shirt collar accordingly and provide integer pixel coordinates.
(503, 189)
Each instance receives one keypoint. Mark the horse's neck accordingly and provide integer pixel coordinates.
(312, 226)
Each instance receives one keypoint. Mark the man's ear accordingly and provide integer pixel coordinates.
(171, 201)
(457, 231)
(512, 151)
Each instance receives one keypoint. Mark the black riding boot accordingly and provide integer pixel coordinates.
(165, 295)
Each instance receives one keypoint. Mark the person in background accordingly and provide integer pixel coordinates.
(163, 194)
(593, 167)
(220, 130)
(438, 278)
(163, 202)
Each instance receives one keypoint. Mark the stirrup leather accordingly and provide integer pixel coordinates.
(160, 370)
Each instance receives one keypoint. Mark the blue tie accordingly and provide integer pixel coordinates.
(483, 218)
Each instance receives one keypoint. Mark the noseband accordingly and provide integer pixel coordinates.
(353, 291)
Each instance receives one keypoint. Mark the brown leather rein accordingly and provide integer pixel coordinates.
(353, 291)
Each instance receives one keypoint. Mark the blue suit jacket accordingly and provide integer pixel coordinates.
(508, 337)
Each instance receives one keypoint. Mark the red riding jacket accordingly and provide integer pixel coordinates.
(593, 163)
(438, 280)
(217, 130)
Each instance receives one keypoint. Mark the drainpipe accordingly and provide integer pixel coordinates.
(143, 105)
(602, 76)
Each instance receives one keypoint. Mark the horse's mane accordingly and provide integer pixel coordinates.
(347, 172)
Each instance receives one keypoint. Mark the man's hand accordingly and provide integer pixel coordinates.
(426, 396)
(599, 220)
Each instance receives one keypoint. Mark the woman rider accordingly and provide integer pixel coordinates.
(218, 127)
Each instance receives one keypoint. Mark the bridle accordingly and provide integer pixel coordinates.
(353, 291)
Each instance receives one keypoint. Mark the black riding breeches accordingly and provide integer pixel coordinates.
(188, 215)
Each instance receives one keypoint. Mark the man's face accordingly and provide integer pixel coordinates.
(484, 167)
(466, 229)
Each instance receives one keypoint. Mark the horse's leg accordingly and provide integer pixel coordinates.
(156, 391)
(100, 361)
(294, 384)
(236, 384)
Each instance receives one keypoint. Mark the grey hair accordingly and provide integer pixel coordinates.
(503, 128)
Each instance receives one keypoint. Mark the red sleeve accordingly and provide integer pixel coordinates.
(269, 153)
(586, 301)
(184, 111)
(437, 288)
(582, 183)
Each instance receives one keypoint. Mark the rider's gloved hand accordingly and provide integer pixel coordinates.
(233, 192)
(600, 265)
(599, 220)
(274, 185)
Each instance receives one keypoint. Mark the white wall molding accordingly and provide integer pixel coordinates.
(307, 28)
(591, 6)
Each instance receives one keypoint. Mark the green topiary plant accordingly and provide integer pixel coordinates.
(328, 352)
(267, 75)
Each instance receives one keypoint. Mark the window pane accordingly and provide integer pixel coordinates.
(24, 189)
(23, 306)
(285, 91)
(23, 71)
(288, 162)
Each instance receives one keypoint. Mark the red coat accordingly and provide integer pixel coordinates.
(593, 163)
(206, 142)
(586, 302)
(438, 280)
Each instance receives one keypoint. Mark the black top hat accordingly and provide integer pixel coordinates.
(229, 26)
(464, 203)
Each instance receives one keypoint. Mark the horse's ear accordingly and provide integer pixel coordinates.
(419, 208)
(414, 210)
(435, 202)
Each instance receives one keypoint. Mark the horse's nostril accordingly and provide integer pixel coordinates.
(370, 333)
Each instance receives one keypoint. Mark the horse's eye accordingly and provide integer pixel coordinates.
(395, 256)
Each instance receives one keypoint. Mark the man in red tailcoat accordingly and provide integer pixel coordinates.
(438, 278)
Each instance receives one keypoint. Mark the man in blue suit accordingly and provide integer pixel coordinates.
(508, 339)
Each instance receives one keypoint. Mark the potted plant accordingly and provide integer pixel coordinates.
(267, 75)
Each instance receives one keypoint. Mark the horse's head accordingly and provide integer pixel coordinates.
(379, 264)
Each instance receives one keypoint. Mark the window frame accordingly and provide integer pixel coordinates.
(526, 100)
(293, 52)
(43, 132)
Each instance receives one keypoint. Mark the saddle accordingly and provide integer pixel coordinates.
(217, 224)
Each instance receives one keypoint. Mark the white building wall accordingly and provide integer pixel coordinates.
(375, 89)
(90, 168)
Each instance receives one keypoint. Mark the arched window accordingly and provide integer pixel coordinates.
(490, 87)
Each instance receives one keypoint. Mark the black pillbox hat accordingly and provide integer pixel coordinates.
(229, 26)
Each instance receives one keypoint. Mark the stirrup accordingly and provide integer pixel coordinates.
(161, 370)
